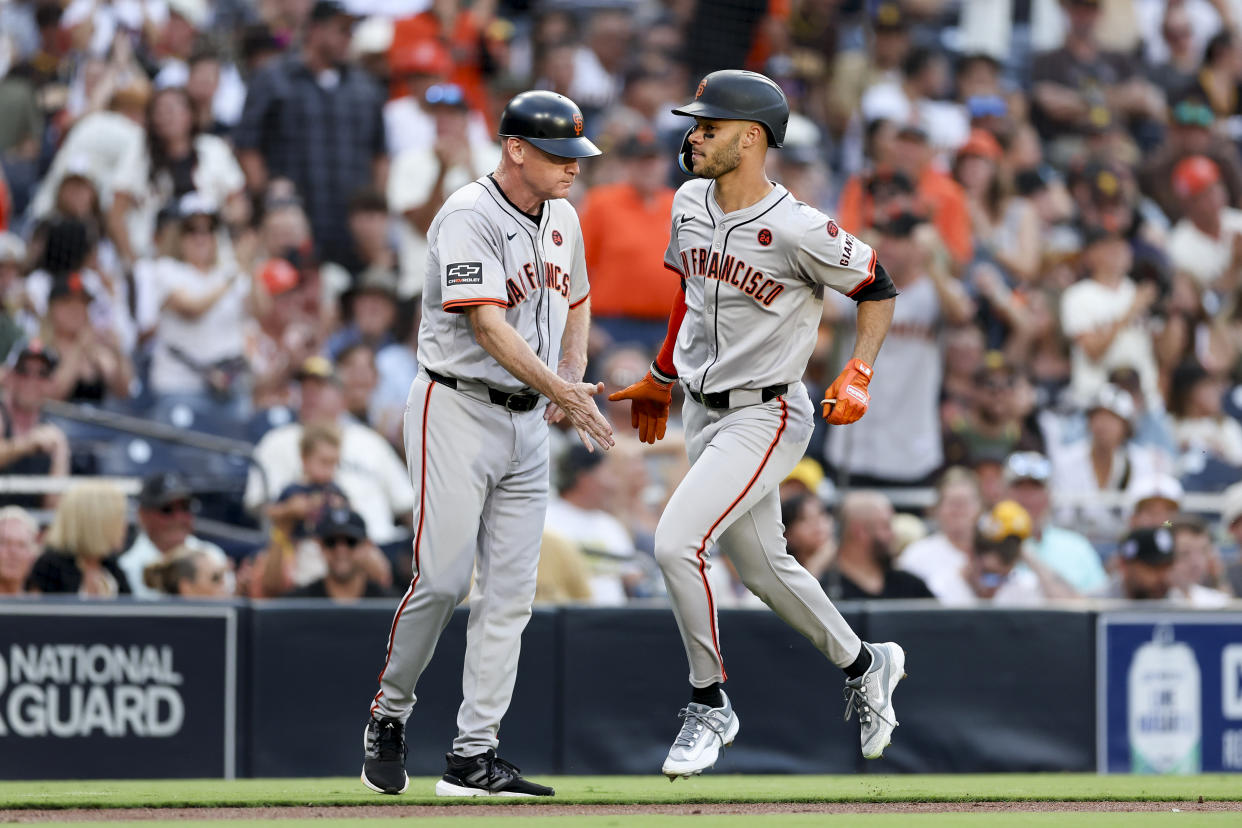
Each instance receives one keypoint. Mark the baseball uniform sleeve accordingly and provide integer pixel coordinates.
(579, 285)
(829, 256)
(471, 268)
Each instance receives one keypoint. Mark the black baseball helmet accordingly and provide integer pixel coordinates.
(551, 122)
(739, 95)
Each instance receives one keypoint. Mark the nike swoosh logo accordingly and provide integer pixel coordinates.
(685, 218)
(510, 236)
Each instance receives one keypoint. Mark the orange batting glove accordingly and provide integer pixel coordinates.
(649, 401)
(846, 399)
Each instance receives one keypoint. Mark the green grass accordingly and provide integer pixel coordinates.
(630, 789)
(948, 820)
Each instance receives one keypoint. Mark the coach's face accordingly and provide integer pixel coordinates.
(716, 146)
(548, 176)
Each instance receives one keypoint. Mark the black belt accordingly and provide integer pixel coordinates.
(723, 399)
(512, 402)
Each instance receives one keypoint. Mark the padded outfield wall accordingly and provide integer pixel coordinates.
(281, 688)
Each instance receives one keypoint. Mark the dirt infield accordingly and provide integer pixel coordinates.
(402, 811)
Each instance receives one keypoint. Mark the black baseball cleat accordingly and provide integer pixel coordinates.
(485, 775)
(383, 750)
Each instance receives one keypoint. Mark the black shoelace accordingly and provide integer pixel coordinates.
(389, 743)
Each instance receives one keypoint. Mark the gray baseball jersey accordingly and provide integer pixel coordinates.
(479, 469)
(755, 282)
(484, 251)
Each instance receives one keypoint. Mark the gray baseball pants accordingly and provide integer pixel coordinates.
(480, 475)
(730, 498)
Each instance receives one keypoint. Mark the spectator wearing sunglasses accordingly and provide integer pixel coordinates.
(166, 517)
(29, 446)
(1070, 555)
(342, 535)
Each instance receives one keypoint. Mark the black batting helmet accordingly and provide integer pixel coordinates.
(739, 95)
(551, 122)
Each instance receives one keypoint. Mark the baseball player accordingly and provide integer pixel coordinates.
(505, 301)
(754, 264)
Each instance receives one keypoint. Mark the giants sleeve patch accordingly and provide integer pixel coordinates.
(464, 273)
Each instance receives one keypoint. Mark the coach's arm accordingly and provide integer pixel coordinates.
(573, 397)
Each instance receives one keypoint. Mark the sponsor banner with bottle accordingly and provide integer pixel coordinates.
(118, 691)
(1169, 692)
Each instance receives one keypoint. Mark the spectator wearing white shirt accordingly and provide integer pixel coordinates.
(1231, 522)
(1207, 241)
(423, 175)
(371, 475)
(97, 143)
(579, 514)
(1198, 572)
(171, 161)
(418, 66)
(95, 24)
(1107, 460)
(1105, 316)
(1200, 425)
(204, 301)
(215, 86)
(166, 517)
(918, 98)
(597, 73)
(958, 506)
(991, 574)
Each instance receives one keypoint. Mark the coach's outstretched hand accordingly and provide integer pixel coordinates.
(575, 403)
(846, 400)
(649, 401)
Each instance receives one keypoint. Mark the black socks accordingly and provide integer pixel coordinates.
(860, 665)
(709, 695)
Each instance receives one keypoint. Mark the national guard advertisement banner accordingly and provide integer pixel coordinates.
(94, 691)
(1169, 692)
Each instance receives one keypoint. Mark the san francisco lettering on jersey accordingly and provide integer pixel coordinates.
(520, 287)
(699, 261)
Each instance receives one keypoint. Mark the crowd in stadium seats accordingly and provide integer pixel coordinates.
(213, 219)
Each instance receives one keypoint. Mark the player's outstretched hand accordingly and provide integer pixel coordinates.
(649, 402)
(576, 405)
(846, 399)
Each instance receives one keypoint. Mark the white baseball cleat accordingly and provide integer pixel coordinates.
(871, 695)
(704, 731)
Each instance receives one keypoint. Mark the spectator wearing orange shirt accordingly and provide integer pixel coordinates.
(462, 31)
(625, 228)
(939, 195)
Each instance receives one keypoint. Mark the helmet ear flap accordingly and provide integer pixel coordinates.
(683, 155)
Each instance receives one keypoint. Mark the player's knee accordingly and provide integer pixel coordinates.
(447, 592)
(671, 546)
